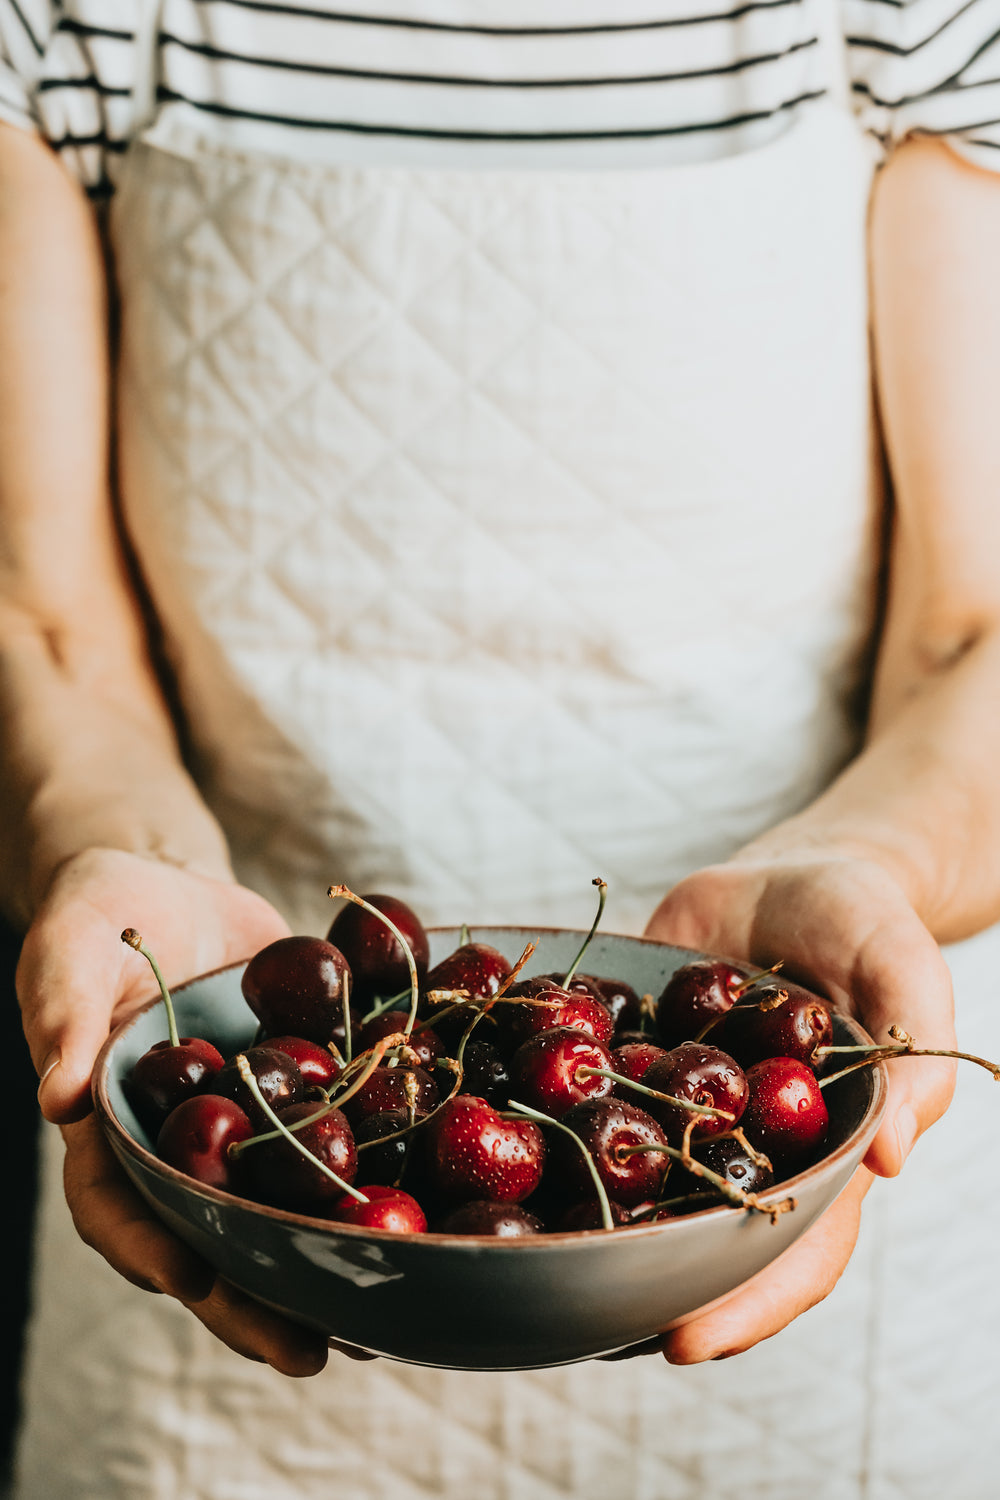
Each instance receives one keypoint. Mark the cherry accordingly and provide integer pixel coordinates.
(275, 1172)
(196, 1136)
(171, 1070)
(694, 995)
(391, 1088)
(587, 1215)
(620, 998)
(168, 1073)
(553, 1006)
(780, 1021)
(476, 968)
(298, 986)
(378, 960)
(731, 1160)
(505, 1221)
(278, 1079)
(609, 1128)
(485, 1073)
(317, 1064)
(472, 1152)
(384, 1141)
(427, 1045)
(700, 1075)
(786, 1115)
(544, 1071)
(386, 1208)
(631, 1059)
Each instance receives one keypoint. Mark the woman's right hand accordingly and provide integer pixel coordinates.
(75, 981)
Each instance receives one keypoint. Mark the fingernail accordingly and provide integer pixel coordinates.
(52, 1061)
(906, 1130)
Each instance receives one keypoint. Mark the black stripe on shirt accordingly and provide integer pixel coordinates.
(203, 49)
(83, 28)
(895, 50)
(90, 81)
(347, 18)
(356, 127)
(32, 38)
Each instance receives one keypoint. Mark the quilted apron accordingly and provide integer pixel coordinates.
(506, 529)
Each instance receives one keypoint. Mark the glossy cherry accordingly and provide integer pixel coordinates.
(471, 1152)
(694, 995)
(505, 1221)
(631, 1059)
(276, 1172)
(611, 1129)
(776, 1020)
(786, 1116)
(477, 968)
(391, 1088)
(278, 1079)
(384, 1140)
(377, 958)
(296, 986)
(553, 1006)
(387, 1208)
(702, 1075)
(167, 1073)
(196, 1136)
(317, 1064)
(545, 1070)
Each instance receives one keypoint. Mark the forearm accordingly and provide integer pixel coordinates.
(924, 796)
(88, 754)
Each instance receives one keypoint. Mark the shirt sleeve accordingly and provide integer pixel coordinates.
(928, 67)
(26, 28)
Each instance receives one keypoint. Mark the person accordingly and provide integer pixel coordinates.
(491, 499)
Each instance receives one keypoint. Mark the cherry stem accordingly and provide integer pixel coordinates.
(748, 984)
(348, 1049)
(246, 1073)
(641, 1088)
(879, 1054)
(758, 1158)
(133, 940)
(464, 936)
(602, 896)
(602, 1197)
(238, 1147)
(338, 891)
(382, 1005)
(374, 1057)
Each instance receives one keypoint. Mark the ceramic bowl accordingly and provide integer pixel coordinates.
(475, 1302)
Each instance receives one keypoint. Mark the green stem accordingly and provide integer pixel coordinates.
(641, 1088)
(602, 896)
(337, 891)
(132, 938)
(246, 1073)
(602, 1196)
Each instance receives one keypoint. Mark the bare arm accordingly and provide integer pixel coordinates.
(102, 827)
(900, 853)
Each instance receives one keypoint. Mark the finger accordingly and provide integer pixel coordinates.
(789, 1286)
(112, 1219)
(351, 1350)
(250, 1329)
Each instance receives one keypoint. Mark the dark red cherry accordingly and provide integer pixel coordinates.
(786, 1116)
(694, 995)
(166, 1074)
(485, 1073)
(776, 1020)
(425, 1042)
(545, 1071)
(295, 987)
(377, 959)
(610, 1128)
(278, 1079)
(384, 1142)
(731, 1160)
(703, 1075)
(196, 1136)
(471, 1152)
(620, 998)
(505, 1221)
(631, 1059)
(553, 1006)
(399, 1087)
(275, 1172)
(317, 1064)
(388, 1208)
(477, 968)
(586, 1214)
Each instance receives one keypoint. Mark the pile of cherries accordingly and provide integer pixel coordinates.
(469, 1099)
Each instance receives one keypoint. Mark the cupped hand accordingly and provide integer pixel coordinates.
(75, 981)
(843, 926)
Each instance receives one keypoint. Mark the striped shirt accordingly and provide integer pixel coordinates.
(496, 82)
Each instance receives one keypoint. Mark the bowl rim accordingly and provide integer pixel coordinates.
(860, 1137)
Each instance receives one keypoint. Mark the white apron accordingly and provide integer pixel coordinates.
(507, 529)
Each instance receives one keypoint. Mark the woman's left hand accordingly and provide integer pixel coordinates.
(843, 926)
